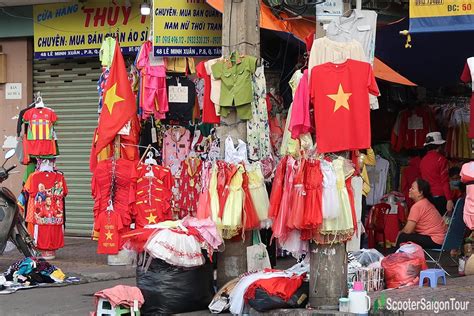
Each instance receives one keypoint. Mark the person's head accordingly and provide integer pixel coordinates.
(419, 189)
(48, 201)
(41, 187)
(434, 141)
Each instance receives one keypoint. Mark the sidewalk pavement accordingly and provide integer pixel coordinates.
(78, 258)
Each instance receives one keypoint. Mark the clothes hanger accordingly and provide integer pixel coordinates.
(150, 160)
(39, 101)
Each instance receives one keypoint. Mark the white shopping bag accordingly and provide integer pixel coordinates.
(257, 255)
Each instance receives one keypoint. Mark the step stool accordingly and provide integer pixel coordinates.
(433, 275)
(104, 308)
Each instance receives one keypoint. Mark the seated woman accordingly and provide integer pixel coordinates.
(425, 226)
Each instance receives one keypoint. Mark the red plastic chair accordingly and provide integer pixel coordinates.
(375, 223)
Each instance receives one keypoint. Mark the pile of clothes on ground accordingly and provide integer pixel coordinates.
(30, 272)
(175, 274)
(264, 290)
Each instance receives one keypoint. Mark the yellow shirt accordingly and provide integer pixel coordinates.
(180, 65)
(368, 159)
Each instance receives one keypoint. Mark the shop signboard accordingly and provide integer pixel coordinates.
(186, 28)
(329, 10)
(441, 15)
(78, 28)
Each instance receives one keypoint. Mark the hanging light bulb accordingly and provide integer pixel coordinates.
(145, 9)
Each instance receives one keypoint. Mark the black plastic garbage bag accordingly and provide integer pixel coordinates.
(264, 302)
(169, 289)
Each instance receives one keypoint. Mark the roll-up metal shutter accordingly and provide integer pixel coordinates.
(69, 87)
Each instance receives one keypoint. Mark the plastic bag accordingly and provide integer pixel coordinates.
(415, 250)
(265, 302)
(368, 257)
(169, 289)
(402, 269)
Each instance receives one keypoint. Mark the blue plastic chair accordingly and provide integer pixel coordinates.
(454, 236)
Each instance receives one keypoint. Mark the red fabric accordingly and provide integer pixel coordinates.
(350, 192)
(189, 187)
(349, 117)
(224, 176)
(125, 188)
(137, 238)
(119, 102)
(409, 175)
(298, 198)
(277, 189)
(39, 141)
(466, 78)
(410, 138)
(42, 185)
(250, 220)
(49, 237)
(208, 109)
(309, 41)
(314, 191)
(434, 169)
(122, 295)
(282, 287)
(107, 227)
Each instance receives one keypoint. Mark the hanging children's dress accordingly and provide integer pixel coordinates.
(298, 197)
(232, 217)
(342, 224)
(313, 189)
(214, 195)
(250, 218)
(204, 202)
(279, 225)
(258, 191)
(189, 183)
(331, 205)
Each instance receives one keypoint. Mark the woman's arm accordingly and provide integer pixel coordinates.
(409, 227)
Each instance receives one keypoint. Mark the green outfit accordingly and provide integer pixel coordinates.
(236, 90)
(106, 53)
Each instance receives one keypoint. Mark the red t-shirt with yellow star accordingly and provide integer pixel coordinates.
(340, 96)
(106, 229)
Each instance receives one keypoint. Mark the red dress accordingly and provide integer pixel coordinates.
(277, 189)
(250, 220)
(314, 190)
(298, 197)
(189, 185)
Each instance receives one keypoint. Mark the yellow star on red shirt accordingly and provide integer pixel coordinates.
(151, 219)
(108, 235)
(341, 98)
(111, 98)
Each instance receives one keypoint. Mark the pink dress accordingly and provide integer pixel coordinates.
(204, 202)
(300, 121)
